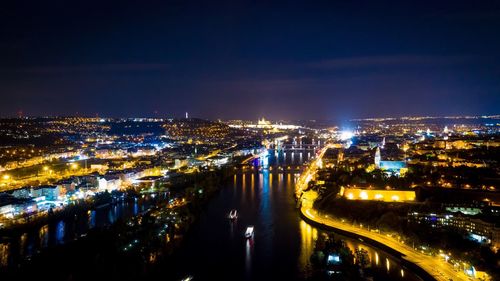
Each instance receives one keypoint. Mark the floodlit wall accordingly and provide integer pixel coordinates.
(378, 195)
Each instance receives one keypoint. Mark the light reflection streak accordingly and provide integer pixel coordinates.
(265, 208)
(243, 187)
(22, 243)
(308, 237)
(252, 186)
(248, 255)
(60, 232)
(43, 235)
(91, 219)
(4, 254)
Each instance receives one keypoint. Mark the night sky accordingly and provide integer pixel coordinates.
(247, 59)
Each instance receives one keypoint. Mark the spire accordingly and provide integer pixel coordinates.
(377, 157)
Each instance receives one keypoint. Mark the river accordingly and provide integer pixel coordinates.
(215, 247)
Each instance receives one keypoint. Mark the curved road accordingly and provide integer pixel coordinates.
(437, 268)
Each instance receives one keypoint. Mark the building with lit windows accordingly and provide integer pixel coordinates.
(477, 229)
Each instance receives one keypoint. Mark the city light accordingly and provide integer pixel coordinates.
(363, 195)
(249, 141)
(346, 135)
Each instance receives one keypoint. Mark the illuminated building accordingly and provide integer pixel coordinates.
(390, 166)
(377, 157)
(265, 124)
(478, 230)
(377, 195)
(109, 183)
(11, 206)
(50, 192)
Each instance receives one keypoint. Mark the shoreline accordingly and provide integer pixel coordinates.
(420, 272)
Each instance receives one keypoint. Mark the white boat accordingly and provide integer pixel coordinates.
(233, 214)
(249, 232)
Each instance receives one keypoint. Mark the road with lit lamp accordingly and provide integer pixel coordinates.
(435, 266)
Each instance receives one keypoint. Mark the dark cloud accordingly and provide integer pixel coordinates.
(129, 67)
(396, 61)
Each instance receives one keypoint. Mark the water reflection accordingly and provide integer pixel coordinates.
(252, 183)
(4, 254)
(60, 231)
(282, 245)
(111, 215)
(67, 229)
(389, 270)
(232, 226)
(22, 244)
(252, 186)
(43, 235)
(248, 255)
(91, 219)
(308, 236)
(243, 186)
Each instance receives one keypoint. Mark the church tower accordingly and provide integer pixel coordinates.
(377, 157)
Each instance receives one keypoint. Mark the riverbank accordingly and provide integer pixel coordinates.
(398, 255)
(426, 267)
(138, 235)
(434, 268)
(77, 208)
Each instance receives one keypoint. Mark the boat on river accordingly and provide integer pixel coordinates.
(233, 214)
(249, 232)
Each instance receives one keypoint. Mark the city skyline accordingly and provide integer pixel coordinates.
(250, 140)
(326, 60)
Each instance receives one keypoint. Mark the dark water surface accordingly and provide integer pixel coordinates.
(215, 247)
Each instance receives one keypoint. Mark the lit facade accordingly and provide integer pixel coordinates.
(378, 195)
